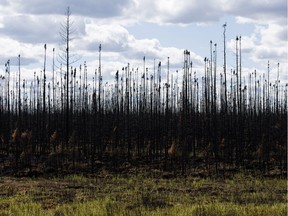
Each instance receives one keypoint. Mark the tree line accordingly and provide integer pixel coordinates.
(218, 120)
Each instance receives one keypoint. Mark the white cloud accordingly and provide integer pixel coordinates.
(12, 48)
(185, 12)
(89, 8)
(38, 29)
(119, 48)
(268, 42)
(25, 27)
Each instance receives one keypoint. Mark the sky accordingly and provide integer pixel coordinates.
(128, 30)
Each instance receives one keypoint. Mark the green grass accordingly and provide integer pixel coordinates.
(108, 207)
(138, 195)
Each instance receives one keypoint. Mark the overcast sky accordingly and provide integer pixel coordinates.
(131, 29)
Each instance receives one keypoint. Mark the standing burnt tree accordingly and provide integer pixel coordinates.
(67, 59)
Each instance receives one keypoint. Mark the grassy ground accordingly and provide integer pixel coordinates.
(107, 194)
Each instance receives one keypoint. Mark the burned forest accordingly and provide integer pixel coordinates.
(185, 121)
